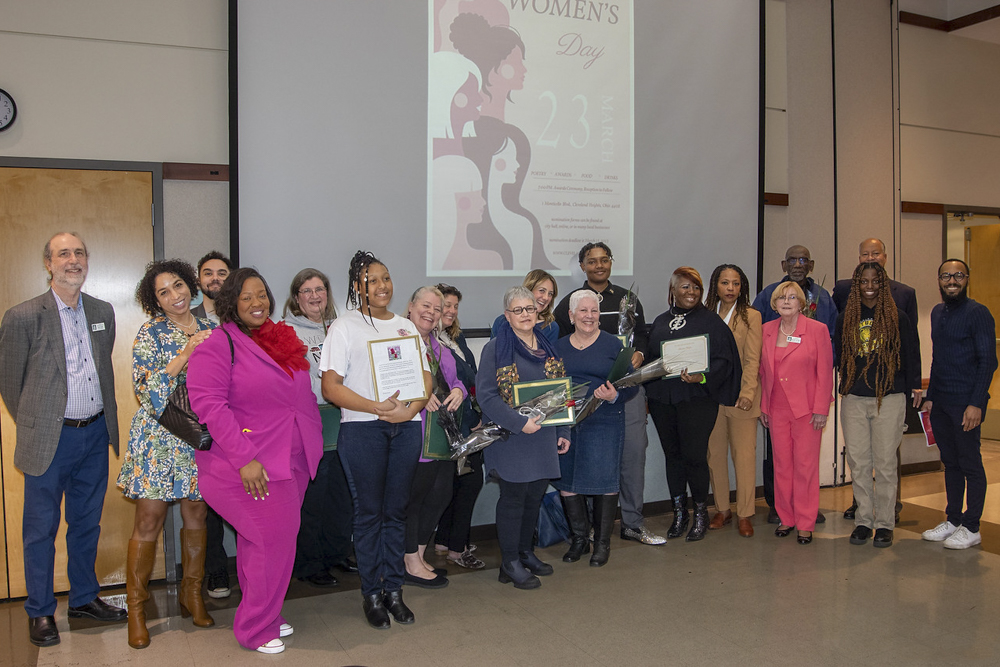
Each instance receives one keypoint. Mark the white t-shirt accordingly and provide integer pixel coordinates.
(345, 352)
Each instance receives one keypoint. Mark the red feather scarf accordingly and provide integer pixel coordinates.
(281, 344)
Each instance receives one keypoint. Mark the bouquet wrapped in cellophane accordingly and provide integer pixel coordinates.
(627, 316)
(651, 371)
(544, 406)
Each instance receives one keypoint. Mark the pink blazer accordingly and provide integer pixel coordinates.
(253, 409)
(806, 369)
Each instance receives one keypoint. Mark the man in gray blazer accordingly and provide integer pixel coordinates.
(57, 381)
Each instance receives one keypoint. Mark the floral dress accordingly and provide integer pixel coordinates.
(157, 465)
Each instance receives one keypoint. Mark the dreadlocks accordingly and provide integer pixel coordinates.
(357, 276)
(882, 346)
(742, 301)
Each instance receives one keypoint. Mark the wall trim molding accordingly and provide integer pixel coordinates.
(190, 171)
(922, 21)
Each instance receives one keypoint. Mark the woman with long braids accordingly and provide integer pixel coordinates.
(735, 432)
(379, 441)
(879, 361)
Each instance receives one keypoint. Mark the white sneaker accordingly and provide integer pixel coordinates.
(285, 629)
(940, 532)
(273, 646)
(962, 538)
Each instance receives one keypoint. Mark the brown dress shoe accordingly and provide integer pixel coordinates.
(721, 519)
(746, 527)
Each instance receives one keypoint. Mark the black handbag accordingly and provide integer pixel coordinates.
(180, 419)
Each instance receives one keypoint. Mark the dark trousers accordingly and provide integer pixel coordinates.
(456, 521)
(517, 516)
(964, 475)
(429, 495)
(324, 538)
(767, 467)
(216, 558)
(379, 459)
(684, 429)
(79, 471)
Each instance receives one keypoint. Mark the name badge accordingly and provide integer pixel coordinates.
(97, 327)
(793, 339)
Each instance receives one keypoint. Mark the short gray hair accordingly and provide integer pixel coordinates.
(576, 297)
(518, 292)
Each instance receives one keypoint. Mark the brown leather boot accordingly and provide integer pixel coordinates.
(138, 568)
(193, 567)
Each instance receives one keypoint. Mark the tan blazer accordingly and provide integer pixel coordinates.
(33, 375)
(748, 341)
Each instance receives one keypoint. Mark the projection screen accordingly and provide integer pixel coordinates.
(412, 128)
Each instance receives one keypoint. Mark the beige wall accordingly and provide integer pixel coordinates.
(141, 80)
(950, 118)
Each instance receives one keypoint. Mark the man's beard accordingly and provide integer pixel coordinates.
(211, 293)
(947, 298)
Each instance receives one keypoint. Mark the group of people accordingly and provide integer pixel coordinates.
(307, 460)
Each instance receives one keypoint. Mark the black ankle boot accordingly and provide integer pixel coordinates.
(393, 603)
(576, 516)
(680, 517)
(605, 509)
(700, 524)
(375, 611)
(534, 565)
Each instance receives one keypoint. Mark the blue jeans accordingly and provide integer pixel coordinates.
(379, 460)
(80, 471)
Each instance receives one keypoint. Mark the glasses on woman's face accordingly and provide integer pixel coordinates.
(788, 297)
(319, 291)
(517, 310)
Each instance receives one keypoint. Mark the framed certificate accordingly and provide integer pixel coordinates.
(397, 365)
(623, 338)
(525, 391)
(691, 354)
(436, 445)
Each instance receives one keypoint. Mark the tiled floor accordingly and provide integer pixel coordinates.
(723, 601)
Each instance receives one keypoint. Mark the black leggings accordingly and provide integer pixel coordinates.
(517, 516)
(429, 495)
(684, 429)
(456, 522)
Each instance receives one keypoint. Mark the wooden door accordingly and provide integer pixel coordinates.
(112, 212)
(983, 256)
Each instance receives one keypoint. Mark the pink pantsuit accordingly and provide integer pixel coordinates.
(796, 383)
(254, 410)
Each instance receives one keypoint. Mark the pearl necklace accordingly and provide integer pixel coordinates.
(788, 336)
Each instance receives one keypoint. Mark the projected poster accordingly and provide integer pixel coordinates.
(529, 134)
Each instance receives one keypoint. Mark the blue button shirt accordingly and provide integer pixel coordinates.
(84, 398)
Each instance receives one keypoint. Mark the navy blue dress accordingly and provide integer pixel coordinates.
(592, 464)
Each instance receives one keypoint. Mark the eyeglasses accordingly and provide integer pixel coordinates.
(958, 275)
(602, 261)
(787, 297)
(801, 261)
(319, 291)
(517, 310)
